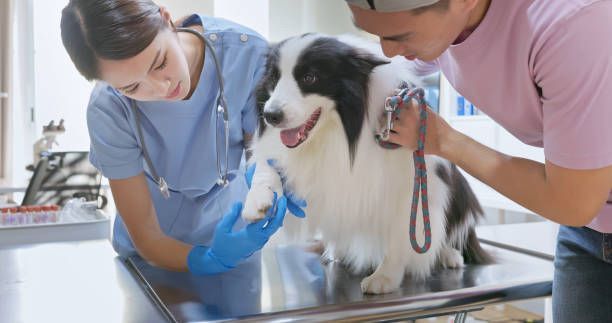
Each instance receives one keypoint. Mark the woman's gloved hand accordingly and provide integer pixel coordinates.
(294, 204)
(229, 248)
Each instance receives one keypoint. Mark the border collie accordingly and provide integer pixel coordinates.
(321, 99)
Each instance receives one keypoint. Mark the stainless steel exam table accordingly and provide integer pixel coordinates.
(289, 284)
(86, 282)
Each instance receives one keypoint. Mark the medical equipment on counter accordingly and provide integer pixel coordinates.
(45, 144)
(221, 109)
(393, 105)
(61, 176)
(27, 215)
(50, 223)
(76, 210)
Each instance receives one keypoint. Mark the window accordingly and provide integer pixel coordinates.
(4, 78)
(60, 92)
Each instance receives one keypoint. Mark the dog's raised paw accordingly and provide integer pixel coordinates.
(379, 284)
(258, 202)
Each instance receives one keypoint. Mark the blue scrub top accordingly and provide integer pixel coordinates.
(180, 137)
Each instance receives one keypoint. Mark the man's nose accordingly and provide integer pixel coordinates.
(390, 48)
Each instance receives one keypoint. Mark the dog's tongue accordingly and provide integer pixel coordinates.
(291, 137)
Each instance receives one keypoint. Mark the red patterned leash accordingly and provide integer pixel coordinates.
(393, 107)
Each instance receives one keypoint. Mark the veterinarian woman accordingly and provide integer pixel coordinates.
(543, 70)
(156, 135)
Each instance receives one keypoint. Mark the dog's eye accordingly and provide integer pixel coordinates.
(310, 78)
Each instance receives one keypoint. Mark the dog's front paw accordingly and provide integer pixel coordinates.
(451, 258)
(258, 202)
(380, 283)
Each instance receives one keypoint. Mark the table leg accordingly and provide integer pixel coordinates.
(460, 317)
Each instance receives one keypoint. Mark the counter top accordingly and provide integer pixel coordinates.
(71, 282)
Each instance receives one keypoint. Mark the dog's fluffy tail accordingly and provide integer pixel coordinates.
(462, 213)
(473, 252)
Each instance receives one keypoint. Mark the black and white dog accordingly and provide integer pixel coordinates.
(321, 99)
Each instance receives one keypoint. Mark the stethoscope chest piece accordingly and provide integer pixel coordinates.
(163, 188)
(222, 181)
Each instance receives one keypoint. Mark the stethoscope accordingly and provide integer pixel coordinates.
(221, 109)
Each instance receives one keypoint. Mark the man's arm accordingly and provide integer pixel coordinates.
(566, 196)
(134, 203)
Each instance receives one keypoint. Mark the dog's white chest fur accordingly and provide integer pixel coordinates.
(358, 202)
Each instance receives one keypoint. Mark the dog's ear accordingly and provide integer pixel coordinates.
(367, 62)
(307, 34)
(352, 102)
(267, 83)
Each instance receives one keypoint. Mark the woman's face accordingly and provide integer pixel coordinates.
(159, 72)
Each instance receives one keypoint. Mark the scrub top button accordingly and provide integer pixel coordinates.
(244, 38)
(213, 37)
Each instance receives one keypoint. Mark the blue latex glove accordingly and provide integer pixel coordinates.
(229, 248)
(294, 204)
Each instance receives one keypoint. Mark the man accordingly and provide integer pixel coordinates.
(543, 70)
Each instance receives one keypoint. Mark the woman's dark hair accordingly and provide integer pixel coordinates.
(108, 29)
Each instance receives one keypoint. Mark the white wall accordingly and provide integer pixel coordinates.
(22, 94)
(295, 17)
(180, 8)
(251, 13)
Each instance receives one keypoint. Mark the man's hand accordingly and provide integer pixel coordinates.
(405, 130)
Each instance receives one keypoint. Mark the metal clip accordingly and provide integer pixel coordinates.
(389, 111)
(163, 188)
(221, 181)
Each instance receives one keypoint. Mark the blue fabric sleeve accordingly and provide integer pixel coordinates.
(114, 149)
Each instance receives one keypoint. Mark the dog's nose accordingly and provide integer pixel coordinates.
(274, 116)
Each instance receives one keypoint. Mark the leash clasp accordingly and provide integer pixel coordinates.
(389, 112)
(392, 103)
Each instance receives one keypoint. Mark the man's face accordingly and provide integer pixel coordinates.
(424, 36)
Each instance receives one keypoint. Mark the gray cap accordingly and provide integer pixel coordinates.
(391, 5)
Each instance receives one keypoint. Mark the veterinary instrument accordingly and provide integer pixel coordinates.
(393, 105)
(221, 110)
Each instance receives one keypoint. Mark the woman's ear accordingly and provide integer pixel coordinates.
(166, 17)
